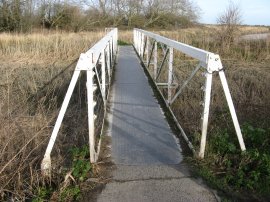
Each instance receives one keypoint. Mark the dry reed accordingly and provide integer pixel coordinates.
(45, 47)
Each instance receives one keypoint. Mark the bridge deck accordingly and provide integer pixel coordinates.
(145, 152)
(140, 133)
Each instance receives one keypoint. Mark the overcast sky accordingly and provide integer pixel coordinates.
(254, 12)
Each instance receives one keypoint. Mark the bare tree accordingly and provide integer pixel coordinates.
(230, 20)
(16, 15)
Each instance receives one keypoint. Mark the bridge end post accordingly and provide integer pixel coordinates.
(155, 61)
(46, 166)
(170, 75)
(90, 109)
(207, 96)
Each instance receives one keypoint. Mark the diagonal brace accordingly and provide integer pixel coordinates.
(151, 53)
(185, 83)
(162, 63)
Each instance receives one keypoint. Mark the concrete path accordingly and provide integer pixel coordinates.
(144, 149)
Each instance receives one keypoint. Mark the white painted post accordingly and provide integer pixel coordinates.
(111, 50)
(116, 41)
(155, 61)
(142, 47)
(114, 45)
(170, 75)
(137, 40)
(46, 162)
(207, 96)
(103, 75)
(139, 43)
(134, 38)
(108, 62)
(147, 49)
(232, 109)
(90, 105)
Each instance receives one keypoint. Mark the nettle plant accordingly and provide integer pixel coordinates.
(81, 166)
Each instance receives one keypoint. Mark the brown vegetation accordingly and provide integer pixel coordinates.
(34, 75)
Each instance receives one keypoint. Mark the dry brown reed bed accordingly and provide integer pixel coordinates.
(34, 75)
(41, 46)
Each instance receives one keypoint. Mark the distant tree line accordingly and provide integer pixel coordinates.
(74, 15)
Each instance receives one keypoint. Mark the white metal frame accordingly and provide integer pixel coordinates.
(88, 62)
(209, 61)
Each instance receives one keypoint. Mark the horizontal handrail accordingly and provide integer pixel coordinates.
(197, 53)
(109, 39)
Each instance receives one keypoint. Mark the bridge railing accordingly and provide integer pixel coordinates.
(147, 45)
(97, 62)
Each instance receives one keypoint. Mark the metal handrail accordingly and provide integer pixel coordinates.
(209, 61)
(103, 53)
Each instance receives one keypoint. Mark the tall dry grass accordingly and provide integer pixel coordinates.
(45, 46)
(35, 71)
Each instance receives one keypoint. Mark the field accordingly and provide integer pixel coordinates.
(34, 75)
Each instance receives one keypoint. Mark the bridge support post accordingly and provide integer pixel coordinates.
(155, 61)
(108, 62)
(170, 74)
(205, 115)
(141, 45)
(103, 75)
(110, 52)
(232, 110)
(90, 106)
(46, 162)
(138, 42)
(147, 49)
(115, 42)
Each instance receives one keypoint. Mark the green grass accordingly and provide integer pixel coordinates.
(123, 43)
(43, 194)
(71, 193)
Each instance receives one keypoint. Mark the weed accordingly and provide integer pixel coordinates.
(43, 194)
(71, 193)
(81, 165)
(227, 168)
